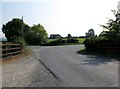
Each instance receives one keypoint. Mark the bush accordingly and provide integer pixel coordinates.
(108, 40)
(62, 42)
(20, 40)
(56, 42)
(101, 44)
(36, 36)
(72, 40)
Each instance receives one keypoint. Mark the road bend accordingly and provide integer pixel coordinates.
(78, 70)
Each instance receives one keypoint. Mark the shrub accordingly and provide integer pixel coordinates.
(72, 40)
(36, 36)
(20, 40)
(101, 44)
(61, 42)
(55, 42)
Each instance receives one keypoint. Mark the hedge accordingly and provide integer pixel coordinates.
(102, 44)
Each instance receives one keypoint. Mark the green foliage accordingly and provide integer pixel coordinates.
(26, 29)
(50, 40)
(37, 35)
(55, 42)
(64, 41)
(112, 27)
(110, 37)
(81, 40)
(20, 40)
(14, 29)
(72, 40)
(90, 33)
(101, 43)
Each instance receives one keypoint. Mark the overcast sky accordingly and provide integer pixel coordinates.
(60, 16)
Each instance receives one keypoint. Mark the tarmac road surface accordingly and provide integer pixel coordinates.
(78, 70)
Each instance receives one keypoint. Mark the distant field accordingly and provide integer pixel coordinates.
(81, 40)
(50, 40)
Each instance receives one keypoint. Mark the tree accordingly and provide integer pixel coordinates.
(26, 29)
(13, 29)
(90, 33)
(112, 27)
(37, 35)
(69, 36)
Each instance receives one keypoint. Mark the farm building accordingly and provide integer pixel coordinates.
(55, 36)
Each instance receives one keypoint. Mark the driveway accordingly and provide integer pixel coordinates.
(27, 71)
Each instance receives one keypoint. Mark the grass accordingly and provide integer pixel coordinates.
(50, 40)
(81, 40)
(26, 51)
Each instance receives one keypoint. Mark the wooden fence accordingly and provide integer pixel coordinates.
(10, 49)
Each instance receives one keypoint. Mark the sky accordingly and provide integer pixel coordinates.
(62, 17)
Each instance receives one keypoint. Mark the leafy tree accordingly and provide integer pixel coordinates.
(90, 33)
(112, 27)
(109, 37)
(37, 35)
(26, 29)
(13, 29)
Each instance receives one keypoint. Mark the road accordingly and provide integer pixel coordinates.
(78, 70)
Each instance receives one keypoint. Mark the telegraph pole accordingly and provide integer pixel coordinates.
(118, 12)
(22, 28)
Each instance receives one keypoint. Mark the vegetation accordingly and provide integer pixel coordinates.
(81, 40)
(50, 40)
(64, 41)
(69, 36)
(17, 31)
(72, 40)
(90, 33)
(13, 29)
(108, 39)
(37, 35)
(21, 41)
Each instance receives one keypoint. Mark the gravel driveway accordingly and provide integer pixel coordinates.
(27, 72)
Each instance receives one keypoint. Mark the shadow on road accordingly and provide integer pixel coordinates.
(96, 59)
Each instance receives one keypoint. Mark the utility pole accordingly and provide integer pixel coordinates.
(22, 28)
(118, 12)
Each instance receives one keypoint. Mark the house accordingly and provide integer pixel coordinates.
(55, 36)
